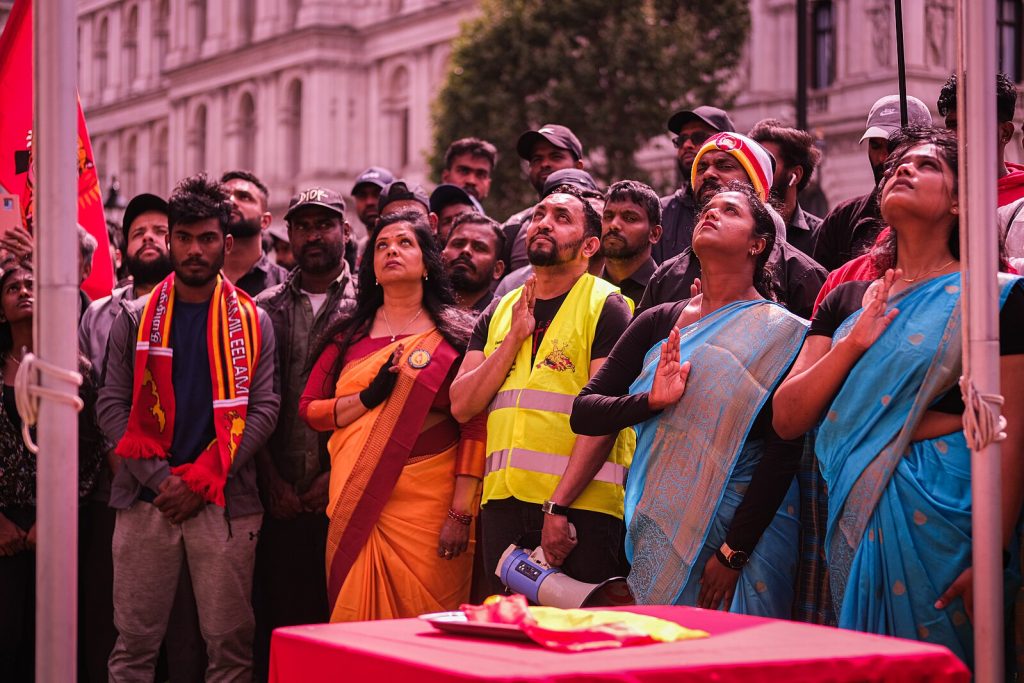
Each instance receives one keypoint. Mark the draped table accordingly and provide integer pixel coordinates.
(740, 648)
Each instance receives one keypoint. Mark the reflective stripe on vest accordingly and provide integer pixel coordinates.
(532, 399)
(549, 463)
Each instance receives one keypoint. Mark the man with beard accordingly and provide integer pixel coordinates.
(530, 354)
(852, 226)
(147, 260)
(630, 227)
(469, 163)
(290, 583)
(796, 157)
(245, 264)
(187, 410)
(724, 158)
(366, 192)
(548, 149)
(691, 128)
(472, 258)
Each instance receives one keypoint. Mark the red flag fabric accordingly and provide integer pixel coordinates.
(17, 173)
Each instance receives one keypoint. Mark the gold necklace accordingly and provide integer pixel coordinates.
(392, 333)
(915, 279)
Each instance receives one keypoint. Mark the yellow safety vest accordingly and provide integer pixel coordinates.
(528, 435)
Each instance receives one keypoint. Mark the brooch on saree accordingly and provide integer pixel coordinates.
(419, 359)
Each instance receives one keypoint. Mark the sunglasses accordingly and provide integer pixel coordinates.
(698, 138)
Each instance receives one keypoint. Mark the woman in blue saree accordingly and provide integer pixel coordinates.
(879, 371)
(711, 505)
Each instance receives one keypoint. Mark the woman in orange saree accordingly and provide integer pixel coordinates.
(404, 475)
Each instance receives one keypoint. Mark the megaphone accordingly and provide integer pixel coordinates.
(528, 573)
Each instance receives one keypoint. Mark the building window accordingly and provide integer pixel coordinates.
(198, 16)
(293, 128)
(197, 142)
(293, 12)
(247, 132)
(161, 34)
(131, 46)
(396, 110)
(1011, 46)
(823, 26)
(102, 40)
(247, 19)
(129, 167)
(160, 162)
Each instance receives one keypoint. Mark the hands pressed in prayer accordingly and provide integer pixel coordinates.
(670, 377)
(523, 322)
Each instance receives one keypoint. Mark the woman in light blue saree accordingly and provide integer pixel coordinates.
(711, 505)
(879, 370)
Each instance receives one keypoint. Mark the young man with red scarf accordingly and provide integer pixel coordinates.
(188, 397)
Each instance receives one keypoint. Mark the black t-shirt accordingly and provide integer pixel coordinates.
(605, 406)
(845, 300)
(611, 324)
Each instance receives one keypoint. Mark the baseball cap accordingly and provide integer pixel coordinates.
(316, 196)
(713, 116)
(569, 176)
(140, 204)
(557, 135)
(279, 232)
(375, 175)
(447, 194)
(399, 190)
(884, 117)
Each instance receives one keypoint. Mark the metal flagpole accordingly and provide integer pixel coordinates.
(976, 113)
(55, 142)
(901, 63)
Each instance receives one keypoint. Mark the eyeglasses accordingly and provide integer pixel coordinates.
(698, 138)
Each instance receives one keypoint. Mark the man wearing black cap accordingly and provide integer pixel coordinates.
(400, 195)
(691, 129)
(365, 191)
(448, 202)
(548, 149)
(289, 579)
(245, 265)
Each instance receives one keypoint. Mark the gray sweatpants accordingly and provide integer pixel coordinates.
(149, 553)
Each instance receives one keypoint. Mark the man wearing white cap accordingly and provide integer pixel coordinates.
(852, 226)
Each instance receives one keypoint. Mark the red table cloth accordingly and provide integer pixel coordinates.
(741, 649)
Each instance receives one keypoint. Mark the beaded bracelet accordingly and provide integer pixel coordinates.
(460, 518)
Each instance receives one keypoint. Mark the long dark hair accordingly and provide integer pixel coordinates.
(764, 227)
(453, 324)
(883, 254)
(9, 266)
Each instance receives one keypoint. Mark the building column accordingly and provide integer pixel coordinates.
(115, 66)
(268, 15)
(85, 66)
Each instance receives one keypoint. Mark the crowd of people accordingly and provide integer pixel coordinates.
(730, 401)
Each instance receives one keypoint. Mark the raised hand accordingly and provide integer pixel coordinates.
(874, 319)
(523, 322)
(670, 377)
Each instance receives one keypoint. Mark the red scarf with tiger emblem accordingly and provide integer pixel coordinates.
(233, 344)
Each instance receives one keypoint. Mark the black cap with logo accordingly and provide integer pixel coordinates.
(375, 175)
(401, 190)
(316, 196)
(557, 135)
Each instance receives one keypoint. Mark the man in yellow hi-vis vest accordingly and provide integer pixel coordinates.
(530, 355)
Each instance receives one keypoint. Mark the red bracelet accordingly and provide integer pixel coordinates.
(460, 518)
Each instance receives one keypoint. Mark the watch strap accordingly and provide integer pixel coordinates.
(550, 508)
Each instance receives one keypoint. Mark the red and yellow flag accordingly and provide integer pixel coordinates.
(17, 173)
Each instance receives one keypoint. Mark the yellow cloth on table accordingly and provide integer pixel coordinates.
(661, 630)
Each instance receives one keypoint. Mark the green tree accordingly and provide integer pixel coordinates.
(611, 71)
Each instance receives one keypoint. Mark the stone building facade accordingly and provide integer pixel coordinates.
(313, 91)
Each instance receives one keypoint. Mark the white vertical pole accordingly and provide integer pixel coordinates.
(55, 146)
(976, 114)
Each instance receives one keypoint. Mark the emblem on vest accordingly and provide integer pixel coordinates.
(419, 359)
(557, 359)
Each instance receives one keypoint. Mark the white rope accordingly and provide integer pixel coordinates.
(983, 420)
(27, 392)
